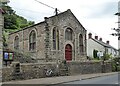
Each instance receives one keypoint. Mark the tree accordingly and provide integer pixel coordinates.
(12, 22)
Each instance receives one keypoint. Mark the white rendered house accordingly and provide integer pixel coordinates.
(100, 46)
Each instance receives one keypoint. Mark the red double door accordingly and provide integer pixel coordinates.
(68, 52)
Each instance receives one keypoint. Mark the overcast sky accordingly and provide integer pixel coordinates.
(97, 16)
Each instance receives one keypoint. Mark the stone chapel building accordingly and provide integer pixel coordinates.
(59, 37)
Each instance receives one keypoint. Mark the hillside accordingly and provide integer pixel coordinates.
(12, 22)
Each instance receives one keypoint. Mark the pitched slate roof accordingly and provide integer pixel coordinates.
(62, 13)
(103, 43)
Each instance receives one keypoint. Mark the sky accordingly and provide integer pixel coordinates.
(97, 16)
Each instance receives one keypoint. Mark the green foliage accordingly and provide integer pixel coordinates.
(116, 64)
(107, 56)
(4, 40)
(95, 54)
(12, 22)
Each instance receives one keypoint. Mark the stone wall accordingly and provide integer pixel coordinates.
(7, 73)
(1, 40)
(88, 67)
(30, 71)
(38, 70)
(27, 71)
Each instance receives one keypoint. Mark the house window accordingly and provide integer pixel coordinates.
(55, 39)
(16, 43)
(32, 41)
(68, 34)
(81, 46)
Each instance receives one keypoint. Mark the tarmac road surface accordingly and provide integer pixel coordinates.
(111, 79)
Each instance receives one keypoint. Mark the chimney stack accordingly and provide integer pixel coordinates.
(90, 35)
(107, 42)
(96, 37)
(100, 39)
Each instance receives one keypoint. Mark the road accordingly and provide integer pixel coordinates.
(111, 79)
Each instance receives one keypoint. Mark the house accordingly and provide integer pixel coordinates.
(97, 45)
(59, 37)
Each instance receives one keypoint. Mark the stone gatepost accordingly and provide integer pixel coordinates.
(1, 35)
(1, 42)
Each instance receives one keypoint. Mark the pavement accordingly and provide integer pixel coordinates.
(60, 79)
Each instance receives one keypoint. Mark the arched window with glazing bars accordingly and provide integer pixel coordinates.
(68, 34)
(32, 41)
(81, 45)
(16, 43)
(55, 38)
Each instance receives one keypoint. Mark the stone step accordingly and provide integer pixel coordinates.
(64, 72)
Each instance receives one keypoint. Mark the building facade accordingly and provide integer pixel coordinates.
(59, 37)
(95, 44)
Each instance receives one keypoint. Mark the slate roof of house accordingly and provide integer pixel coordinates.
(103, 43)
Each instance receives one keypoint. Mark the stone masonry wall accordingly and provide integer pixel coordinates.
(7, 74)
(37, 70)
(88, 67)
(31, 71)
(27, 71)
(44, 38)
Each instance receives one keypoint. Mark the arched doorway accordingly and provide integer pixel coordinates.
(68, 52)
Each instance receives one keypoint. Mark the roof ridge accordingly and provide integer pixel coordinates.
(103, 43)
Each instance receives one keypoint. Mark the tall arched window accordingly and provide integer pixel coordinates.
(16, 43)
(68, 34)
(81, 46)
(32, 40)
(55, 39)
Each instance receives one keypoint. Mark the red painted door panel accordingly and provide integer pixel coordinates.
(68, 52)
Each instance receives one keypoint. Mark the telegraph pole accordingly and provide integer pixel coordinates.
(118, 35)
(118, 29)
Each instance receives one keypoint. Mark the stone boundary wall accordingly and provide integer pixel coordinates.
(38, 70)
(31, 71)
(7, 74)
(27, 71)
(88, 67)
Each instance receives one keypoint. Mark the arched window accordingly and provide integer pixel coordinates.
(55, 39)
(32, 40)
(16, 43)
(81, 46)
(68, 34)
